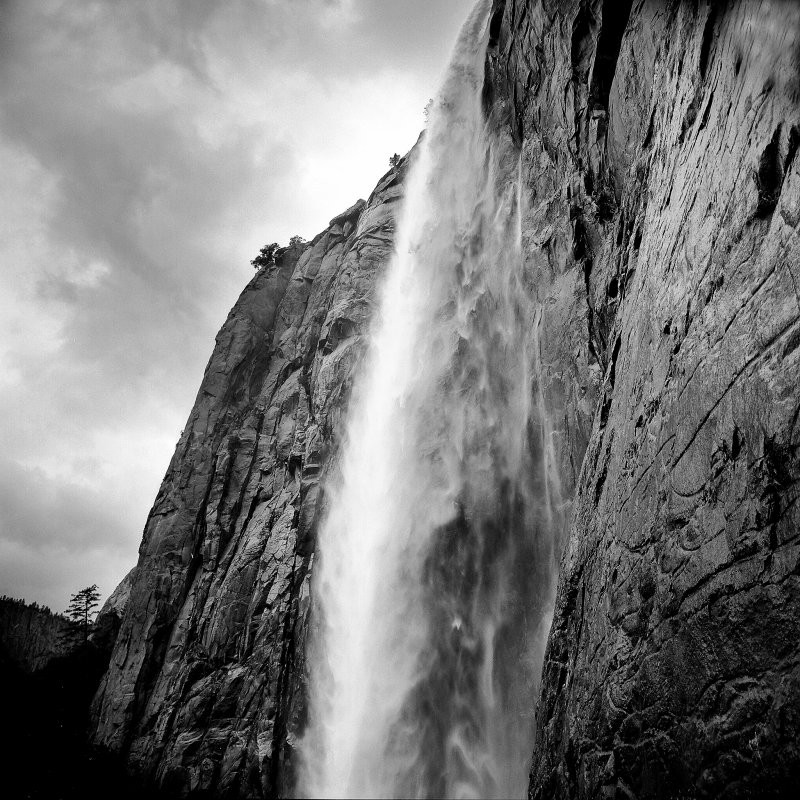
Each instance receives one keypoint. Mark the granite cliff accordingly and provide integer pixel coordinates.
(657, 143)
(204, 687)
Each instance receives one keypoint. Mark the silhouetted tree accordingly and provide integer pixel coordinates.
(266, 256)
(82, 610)
(394, 160)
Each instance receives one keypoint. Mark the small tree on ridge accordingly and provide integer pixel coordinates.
(82, 610)
(266, 256)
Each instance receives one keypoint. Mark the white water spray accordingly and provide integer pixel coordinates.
(435, 561)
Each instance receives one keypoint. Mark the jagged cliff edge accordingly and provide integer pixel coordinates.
(203, 687)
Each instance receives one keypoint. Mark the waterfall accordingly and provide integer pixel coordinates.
(435, 561)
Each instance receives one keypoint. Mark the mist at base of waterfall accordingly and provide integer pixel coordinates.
(433, 585)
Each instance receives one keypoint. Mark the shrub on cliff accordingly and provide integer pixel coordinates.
(266, 256)
(270, 253)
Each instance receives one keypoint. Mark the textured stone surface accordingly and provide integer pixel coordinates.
(661, 167)
(202, 690)
(109, 620)
(661, 208)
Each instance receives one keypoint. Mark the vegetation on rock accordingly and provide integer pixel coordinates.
(82, 610)
(270, 253)
(266, 256)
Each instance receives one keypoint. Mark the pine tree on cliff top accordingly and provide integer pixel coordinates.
(82, 610)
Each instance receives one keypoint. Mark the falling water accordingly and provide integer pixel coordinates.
(435, 561)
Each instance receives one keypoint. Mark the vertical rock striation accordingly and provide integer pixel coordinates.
(659, 143)
(202, 691)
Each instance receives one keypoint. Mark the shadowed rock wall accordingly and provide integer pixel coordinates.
(659, 143)
(31, 636)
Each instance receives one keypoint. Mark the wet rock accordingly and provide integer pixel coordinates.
(659, 144)
(658, 148)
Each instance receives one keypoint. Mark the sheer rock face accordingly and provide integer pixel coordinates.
(659, 143)
(109, 620)
(202, 690)
(662, 201)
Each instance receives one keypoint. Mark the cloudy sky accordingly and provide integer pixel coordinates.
(147, 150)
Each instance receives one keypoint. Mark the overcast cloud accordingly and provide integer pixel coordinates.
(148, 149)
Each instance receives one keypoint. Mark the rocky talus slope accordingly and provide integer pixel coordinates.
(659, 143)
(202, 693)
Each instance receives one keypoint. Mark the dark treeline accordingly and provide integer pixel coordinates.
(16, 601)
(44, 737)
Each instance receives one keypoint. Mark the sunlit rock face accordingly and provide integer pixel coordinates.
(201, 690)
(659, 149)
(658, 200)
